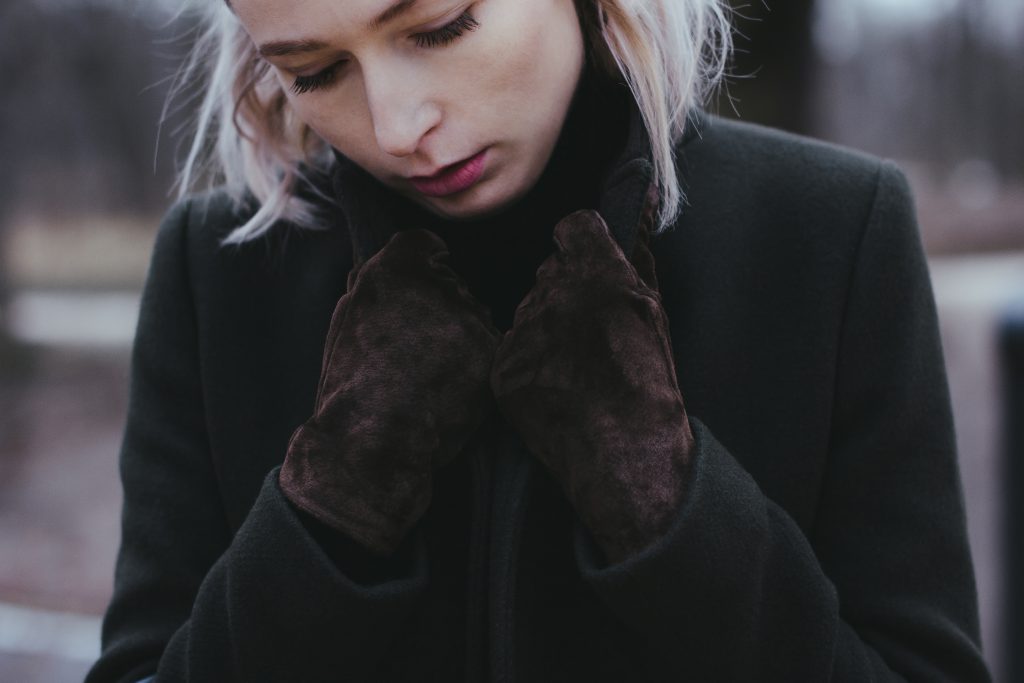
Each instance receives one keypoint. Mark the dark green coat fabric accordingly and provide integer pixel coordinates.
(822, 537)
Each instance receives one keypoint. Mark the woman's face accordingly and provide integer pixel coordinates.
(456, 104)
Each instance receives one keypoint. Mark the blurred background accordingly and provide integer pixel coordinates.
(934, 84)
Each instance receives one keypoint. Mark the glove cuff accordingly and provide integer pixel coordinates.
(378, 519)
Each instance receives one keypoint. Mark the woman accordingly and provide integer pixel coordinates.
(408, 389)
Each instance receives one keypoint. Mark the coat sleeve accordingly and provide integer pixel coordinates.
(882, 587)
(193, 601)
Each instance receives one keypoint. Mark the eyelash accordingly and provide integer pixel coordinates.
(437, 38)
(449, 32)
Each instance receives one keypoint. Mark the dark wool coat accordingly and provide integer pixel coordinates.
(822, 536)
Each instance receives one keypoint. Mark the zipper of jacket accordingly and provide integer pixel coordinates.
(512, 467)
(476, 620)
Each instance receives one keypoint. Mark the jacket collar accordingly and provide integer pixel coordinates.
(628, 199)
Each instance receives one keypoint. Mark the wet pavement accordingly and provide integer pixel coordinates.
(63, 414)
(60, 496)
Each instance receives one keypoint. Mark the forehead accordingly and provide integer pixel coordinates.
(274, 19)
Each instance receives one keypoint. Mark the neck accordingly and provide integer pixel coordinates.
(498, 255)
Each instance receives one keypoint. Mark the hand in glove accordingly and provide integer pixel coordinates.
(403, 386)
(586, 376)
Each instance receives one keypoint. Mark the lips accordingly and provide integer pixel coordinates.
(457, 177)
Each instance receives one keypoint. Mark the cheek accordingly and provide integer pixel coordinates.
(340, 117)
(522, 78)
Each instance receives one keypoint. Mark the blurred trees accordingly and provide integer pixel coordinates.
(773, 67)
(941, 91)
(84, 86)
(82, 102)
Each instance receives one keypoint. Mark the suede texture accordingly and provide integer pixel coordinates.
(586, 376)
(402, 388)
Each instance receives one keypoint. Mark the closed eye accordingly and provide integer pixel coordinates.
(437, 38)
(303, 84)
(449, 32)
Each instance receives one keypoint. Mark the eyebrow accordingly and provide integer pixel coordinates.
(283, 48)
(391, 13)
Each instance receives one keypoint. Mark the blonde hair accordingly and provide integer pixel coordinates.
(246, 139)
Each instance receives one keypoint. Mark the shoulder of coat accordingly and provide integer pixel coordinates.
(776, 174)
(751, 148)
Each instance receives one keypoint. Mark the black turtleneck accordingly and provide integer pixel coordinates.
(498, 256)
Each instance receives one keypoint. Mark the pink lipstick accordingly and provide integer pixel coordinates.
(451, 179)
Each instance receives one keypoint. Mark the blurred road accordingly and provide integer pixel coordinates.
(63, 407)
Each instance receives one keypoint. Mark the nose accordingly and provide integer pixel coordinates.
(402, 113)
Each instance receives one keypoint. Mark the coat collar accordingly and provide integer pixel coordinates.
(628, 199)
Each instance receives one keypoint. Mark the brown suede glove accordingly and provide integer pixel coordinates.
(403, 386)
(587, 377)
